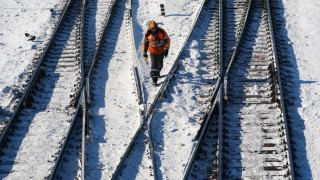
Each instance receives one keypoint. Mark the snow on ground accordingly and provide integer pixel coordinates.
(114, 108)
(175, 124)
(17, 18)
(32, 16)
(177, 22)
(302, 22)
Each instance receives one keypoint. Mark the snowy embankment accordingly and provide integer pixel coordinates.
(17, 18)
(302, 24)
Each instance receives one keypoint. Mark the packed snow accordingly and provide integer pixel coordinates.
(17, 18)
(302, 23)
(114, 107)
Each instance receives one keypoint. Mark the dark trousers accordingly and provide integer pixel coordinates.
(156, 65)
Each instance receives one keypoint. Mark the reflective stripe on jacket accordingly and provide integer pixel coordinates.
(156, 43)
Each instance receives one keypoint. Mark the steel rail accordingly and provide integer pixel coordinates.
(83, 99)
(223, 75)
(153, 158)
(283, 107)
(97, 52)
(64, 145)
(35, 75)
(223, 91)
(195, 152)
(140, 92)
(214, 97)
(236, 50)
(86, 85)
(83, 134)
(224, 84)
(220, 122)
(79, 99)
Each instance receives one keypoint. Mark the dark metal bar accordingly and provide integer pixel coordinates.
(66, 141)
(97, 52)
(204, 129)
(283, 108)
(79, 98)
(83, 99)
(154, 162)
(83, 138)
(220, 121)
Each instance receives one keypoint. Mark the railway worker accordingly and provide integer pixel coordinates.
(157, 42)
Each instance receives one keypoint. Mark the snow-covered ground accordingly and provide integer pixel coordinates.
(302, 22)
(18, 17)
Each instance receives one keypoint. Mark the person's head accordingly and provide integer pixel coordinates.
(153, 26)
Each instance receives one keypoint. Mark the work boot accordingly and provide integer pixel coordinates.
(154, 81)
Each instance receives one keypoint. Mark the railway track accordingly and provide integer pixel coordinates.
(234, 14)
(114, 115)
(204, 162)
(244, 135)
(254, 129)
(70, 164)
(255, 140)
(36, 131)
(96, 16)
(71, 161)
(195, 73)
(118, 19)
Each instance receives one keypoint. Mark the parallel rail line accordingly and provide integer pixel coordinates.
(93, 50)
(109, 53)
(246, 99)
(47, 103)
(94, 21)
(273, 158)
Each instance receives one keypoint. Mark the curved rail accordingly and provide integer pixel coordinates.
(154, 162)
(202, 133)
(283, 108)
(35, 76)
(224, 89)
(140, 91)
(97, 52)
(86, 90)
(214, 97)
(136, 72)
(64, 145)
(79, 98)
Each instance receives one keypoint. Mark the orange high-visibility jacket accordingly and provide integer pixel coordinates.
(155, 43)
